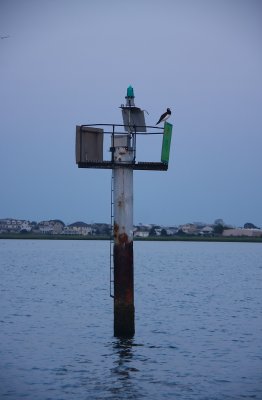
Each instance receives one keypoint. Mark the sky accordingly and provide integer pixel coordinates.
(69, 62)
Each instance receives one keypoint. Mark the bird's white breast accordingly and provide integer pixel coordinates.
(166, 117)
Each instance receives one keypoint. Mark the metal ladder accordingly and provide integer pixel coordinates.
(111, 289)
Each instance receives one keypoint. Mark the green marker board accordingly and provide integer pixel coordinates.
(166, 142)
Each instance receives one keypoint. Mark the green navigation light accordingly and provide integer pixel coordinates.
(130, 91)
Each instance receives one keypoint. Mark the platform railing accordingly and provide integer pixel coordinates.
(131, 131)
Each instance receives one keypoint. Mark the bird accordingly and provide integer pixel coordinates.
(164, 116)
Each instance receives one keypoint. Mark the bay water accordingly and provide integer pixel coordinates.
(198, 322)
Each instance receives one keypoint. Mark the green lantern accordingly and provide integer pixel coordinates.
(130, 92)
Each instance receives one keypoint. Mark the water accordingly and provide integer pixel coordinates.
(198, 322)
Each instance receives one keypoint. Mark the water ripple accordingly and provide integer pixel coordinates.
(198, 323)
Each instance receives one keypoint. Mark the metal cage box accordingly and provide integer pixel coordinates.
(120, 141)
(89, 144)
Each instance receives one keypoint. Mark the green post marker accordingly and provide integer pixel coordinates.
(166, 142)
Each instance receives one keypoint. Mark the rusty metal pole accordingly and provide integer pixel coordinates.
(89, 154)
(124, 310)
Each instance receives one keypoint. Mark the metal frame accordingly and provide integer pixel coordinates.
(115, 129)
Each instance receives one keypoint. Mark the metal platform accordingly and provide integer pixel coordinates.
(146, 166)
(90, 146)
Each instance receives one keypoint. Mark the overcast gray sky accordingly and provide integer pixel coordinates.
(69, 62)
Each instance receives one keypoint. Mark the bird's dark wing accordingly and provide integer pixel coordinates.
(160, 119)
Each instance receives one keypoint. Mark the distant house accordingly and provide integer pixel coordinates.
(53, 227)
(190, 229)
(101, 229)
(25, 226)
(207, 230)
(78, 228)
(171, 231)
(141, 231)
(3, 225)
(45, 227)
(58, 226)
(14, 225)
(141, 234)
(242, 232)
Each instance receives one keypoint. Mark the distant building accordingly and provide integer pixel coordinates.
(141, 234)
(26, 226)
(78, 228)
(242, 232)
(190, 229)
(58, 226)
(171, 231)
(45, 227)
(207, 230)
(14, 225)
(53, 226)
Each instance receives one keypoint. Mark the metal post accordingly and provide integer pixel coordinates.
(124, 310)
(89, 154)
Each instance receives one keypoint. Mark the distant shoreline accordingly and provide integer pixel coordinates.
(28, 236)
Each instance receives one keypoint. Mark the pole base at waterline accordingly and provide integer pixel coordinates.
(124, 320)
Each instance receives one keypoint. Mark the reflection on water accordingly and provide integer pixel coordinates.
(123, 349)
(123, 371)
